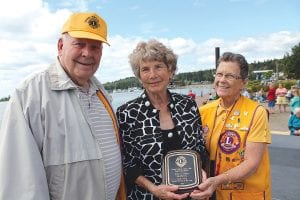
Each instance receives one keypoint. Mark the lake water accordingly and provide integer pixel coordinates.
(120, 98)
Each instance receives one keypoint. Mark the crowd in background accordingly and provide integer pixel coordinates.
(278, 98)
(284, 98)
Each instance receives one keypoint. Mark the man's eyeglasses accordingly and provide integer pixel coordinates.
(228, 76)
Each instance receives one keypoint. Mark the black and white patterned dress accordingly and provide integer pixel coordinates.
(145, 143)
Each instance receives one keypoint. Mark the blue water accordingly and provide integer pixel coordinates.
(120, 98)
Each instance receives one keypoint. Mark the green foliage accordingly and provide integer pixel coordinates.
(192, 77)
(253, 86)
(292, 63)
(268, 75)
(289, 65)
(256, 85)
(122, 84)
(287, 83)
(181, 79)
(5, 99)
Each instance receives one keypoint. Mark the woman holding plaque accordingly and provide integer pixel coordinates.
(237, 135)
(155, 123)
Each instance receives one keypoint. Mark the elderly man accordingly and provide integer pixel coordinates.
(59, 134)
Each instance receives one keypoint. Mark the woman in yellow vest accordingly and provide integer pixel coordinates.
(237, 133)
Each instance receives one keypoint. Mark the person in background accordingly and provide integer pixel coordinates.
(271, 97)
(191, 94)
(237, 134)
(246, 93)
(289, 95)
(59, 135)
(261, 95)
(281, 99)
(155, 123)
(210, 96)
(295, 101)
(294, 122)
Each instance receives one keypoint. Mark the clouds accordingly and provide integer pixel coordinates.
(195, 56)
(29, 35)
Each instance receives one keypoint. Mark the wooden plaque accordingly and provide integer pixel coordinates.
(182, 168)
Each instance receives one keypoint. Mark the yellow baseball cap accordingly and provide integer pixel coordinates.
(86, 25)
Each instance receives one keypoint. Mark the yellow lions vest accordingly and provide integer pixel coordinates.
(226, 135)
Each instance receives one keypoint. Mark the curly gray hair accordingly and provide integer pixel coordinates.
(152, 51)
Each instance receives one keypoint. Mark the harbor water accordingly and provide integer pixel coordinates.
(120, 98)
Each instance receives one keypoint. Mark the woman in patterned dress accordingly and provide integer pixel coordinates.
(156, 122)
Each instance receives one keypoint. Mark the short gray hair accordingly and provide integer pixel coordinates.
(152, 50)
(237, 58)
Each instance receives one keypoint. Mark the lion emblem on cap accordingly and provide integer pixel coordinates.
(93, 22)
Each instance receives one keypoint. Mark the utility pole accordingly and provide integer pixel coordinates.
(217, 54)
(277, 73)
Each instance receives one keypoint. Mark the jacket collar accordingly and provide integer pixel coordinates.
(146, 101)
(59, 79)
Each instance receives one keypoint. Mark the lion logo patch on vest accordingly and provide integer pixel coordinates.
(229, 141)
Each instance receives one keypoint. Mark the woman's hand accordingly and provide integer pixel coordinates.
(168, 192)
(161, 191)
(205, 189)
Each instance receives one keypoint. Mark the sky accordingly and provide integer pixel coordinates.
(258, 29)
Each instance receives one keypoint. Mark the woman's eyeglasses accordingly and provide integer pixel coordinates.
(228, 76)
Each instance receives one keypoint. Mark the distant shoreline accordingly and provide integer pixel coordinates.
(199, 99)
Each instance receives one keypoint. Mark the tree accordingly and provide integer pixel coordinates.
(268, 74)
(294, 61)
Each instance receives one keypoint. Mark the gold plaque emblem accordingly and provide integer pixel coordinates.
(181, 161)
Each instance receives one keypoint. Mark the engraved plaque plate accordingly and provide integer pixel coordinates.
(182, 168)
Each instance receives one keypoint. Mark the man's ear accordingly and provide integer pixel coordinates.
(59, 45)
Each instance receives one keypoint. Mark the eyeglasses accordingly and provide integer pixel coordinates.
(228, 76)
